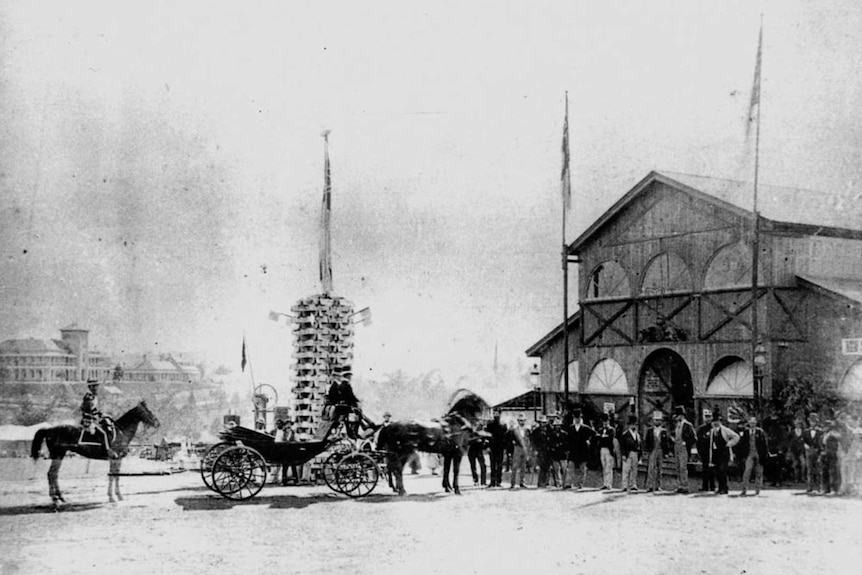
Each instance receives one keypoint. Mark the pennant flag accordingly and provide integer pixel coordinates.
(243, 362)
(755, 87)
(325, 234)
(364, 316)
(566, 176)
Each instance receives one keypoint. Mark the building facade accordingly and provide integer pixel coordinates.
(68, 359)
(668, 315)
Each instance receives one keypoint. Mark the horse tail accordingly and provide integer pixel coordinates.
(36, 447)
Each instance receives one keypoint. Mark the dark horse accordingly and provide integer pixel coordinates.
(449, 437)
(61, 439)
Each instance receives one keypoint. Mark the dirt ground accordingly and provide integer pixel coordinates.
(173, 524)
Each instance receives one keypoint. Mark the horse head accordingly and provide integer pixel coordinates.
(146, 416)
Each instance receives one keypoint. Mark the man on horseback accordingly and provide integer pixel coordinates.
(91, 416)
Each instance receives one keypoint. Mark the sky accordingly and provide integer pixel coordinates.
(162, 163)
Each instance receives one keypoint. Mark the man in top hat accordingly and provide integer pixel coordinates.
(657, 443)
(578, 441)
(813, 441)
(722, 439)
(498, 448)
(684, 438)
(630, 446)
(608, 447)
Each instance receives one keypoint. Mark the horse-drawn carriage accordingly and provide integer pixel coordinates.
(237, 467)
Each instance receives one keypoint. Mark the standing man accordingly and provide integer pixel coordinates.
(722, 439)
(796, 452)
(754, 451)
(608, 446)
(558, 449)
(684, 438)
(541, 442)
(813, 447)
(832, 440)
(498, 448)
(519, 439)
(708, 473)
(657, 443)
(578, 445)
(630, 446)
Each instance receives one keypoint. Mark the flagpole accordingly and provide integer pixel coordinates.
(755, 241)
(325, 224)
(567, 187)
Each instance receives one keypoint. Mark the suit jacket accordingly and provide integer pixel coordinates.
(760, 443)
(520, 437)
(814, 441)
(689, 436)
(664, 440)
(499, 435)
(629, 442)
(578, 443)
(723, 440)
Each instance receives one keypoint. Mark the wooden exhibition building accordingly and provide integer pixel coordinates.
(665, 310)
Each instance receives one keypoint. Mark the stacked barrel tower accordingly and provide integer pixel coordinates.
(323, 350)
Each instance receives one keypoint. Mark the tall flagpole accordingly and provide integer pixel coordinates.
(325, 213)
(566, 184)
(755, 241)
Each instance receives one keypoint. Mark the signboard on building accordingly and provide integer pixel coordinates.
(609, 407)
(851, 346)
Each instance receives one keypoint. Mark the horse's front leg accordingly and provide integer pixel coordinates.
(396, 467)
(114, 481)
(456, 466)
(447, 464)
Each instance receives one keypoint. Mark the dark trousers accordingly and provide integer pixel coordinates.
(545, 470)
(708, 480)
(720, 470)
(831, 473)
(477, 455)
(497, 466)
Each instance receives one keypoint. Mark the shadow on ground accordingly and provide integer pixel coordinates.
(39, 509)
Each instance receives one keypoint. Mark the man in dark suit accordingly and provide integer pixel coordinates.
(707, 473)
(497, 446)
(753, 449)
(608, 451)
(631, 446)
(813, 441)
(578, 441)
(684, 438)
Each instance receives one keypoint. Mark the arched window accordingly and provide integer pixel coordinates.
(607, 376)
(608, 280)
(730, 267)
(851, 384)
(730, 376)
(666, 273)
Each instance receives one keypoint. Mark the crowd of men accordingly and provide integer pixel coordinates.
(826, 456)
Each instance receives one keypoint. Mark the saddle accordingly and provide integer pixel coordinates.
(104, 434)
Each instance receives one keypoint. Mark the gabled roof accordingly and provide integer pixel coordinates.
(33, 346)
(806, 210)
(847, 288)
(537, 348)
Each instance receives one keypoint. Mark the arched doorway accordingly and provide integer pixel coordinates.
(664, 383)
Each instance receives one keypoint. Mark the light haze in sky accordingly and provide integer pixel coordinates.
(162, 165)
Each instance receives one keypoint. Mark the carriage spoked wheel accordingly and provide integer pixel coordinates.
(239, 473)
(329, 466)
(208, 460)
(356, 474)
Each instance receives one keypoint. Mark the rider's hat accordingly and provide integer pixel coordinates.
(92, 382)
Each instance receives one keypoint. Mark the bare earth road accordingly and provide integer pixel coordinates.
(172, 524)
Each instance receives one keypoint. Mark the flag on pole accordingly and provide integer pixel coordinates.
(325, 234)
(755, 87)
(565, 176)
(243, 362)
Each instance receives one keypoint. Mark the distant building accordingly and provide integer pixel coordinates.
(68, 359)
(666, 300)
(165, 369)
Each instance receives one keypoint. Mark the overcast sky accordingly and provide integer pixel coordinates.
(162, 163)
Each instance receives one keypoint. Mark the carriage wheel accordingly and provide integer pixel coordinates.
(239, 473)
(208, 460)
(329, 467)
(357, 475)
